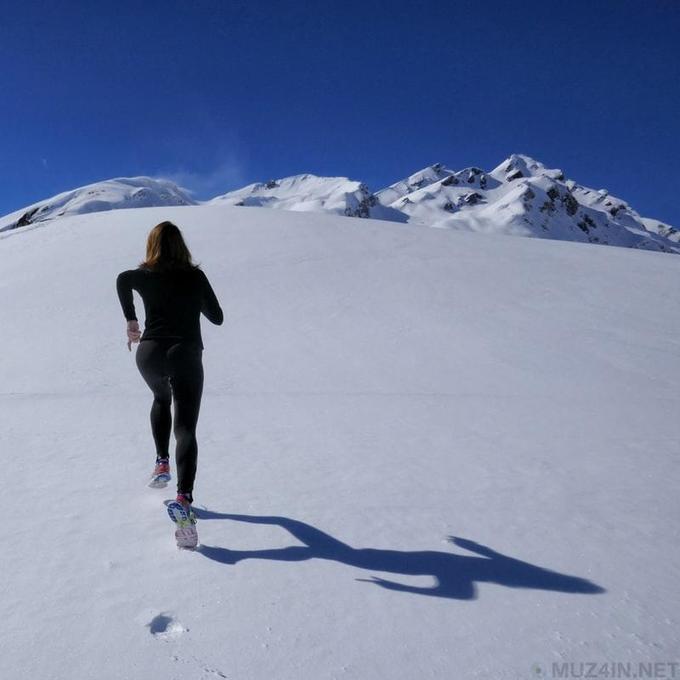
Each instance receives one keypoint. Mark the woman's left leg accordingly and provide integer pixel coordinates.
(186, 377)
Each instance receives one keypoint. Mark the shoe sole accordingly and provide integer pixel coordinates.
(185, 534)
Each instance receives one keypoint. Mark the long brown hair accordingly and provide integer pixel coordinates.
(166, 249)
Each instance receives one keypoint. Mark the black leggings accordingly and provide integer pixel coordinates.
(174, 369)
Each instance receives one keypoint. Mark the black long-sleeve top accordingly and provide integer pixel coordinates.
(173, 302)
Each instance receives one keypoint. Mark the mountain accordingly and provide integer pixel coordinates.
(112, 194)
(375, 391)
(519, 197)
(310, 193)
(662, 229)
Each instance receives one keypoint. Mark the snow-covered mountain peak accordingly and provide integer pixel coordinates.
(520, 165)
(311, 193)
(282, 187)
(418, 180)
(429, 175)
(111, 194)
(520, 196)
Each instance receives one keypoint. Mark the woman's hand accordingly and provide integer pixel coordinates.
(133, 333)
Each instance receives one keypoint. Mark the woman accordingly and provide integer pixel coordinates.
(175, 291)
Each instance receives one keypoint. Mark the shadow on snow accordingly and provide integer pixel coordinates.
(455, 574)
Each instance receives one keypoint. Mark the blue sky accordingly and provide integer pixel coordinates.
(217, 94)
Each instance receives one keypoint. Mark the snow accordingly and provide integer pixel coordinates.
(376, 389)
(304, 193)
(112, 194)
(418, 180)
(299, 192)
(526, 166)
(661, 228)
(519, 197)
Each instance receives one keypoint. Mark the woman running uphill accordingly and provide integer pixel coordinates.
(175, 292)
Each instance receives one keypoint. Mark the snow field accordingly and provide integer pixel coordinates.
(376, 389)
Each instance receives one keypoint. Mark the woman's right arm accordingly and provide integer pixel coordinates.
(210, 306)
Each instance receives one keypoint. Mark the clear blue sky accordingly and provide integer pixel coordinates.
(217, 94)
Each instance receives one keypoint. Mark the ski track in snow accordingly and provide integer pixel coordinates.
(421, 454)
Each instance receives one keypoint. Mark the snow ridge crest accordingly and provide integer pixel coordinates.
(520, 196)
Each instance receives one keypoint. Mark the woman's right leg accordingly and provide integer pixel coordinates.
(151, 362)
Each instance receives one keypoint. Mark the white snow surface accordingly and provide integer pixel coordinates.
(310, 193)
(376, 389)
(661, 228)
(520, 197)
(304, 193)
(112, 194)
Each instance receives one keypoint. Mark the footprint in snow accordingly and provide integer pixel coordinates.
(165, 627)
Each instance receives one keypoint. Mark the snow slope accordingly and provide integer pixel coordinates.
(521, 197)
(310, 193)
(112, 194)
(662, 229)
(375, 390)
